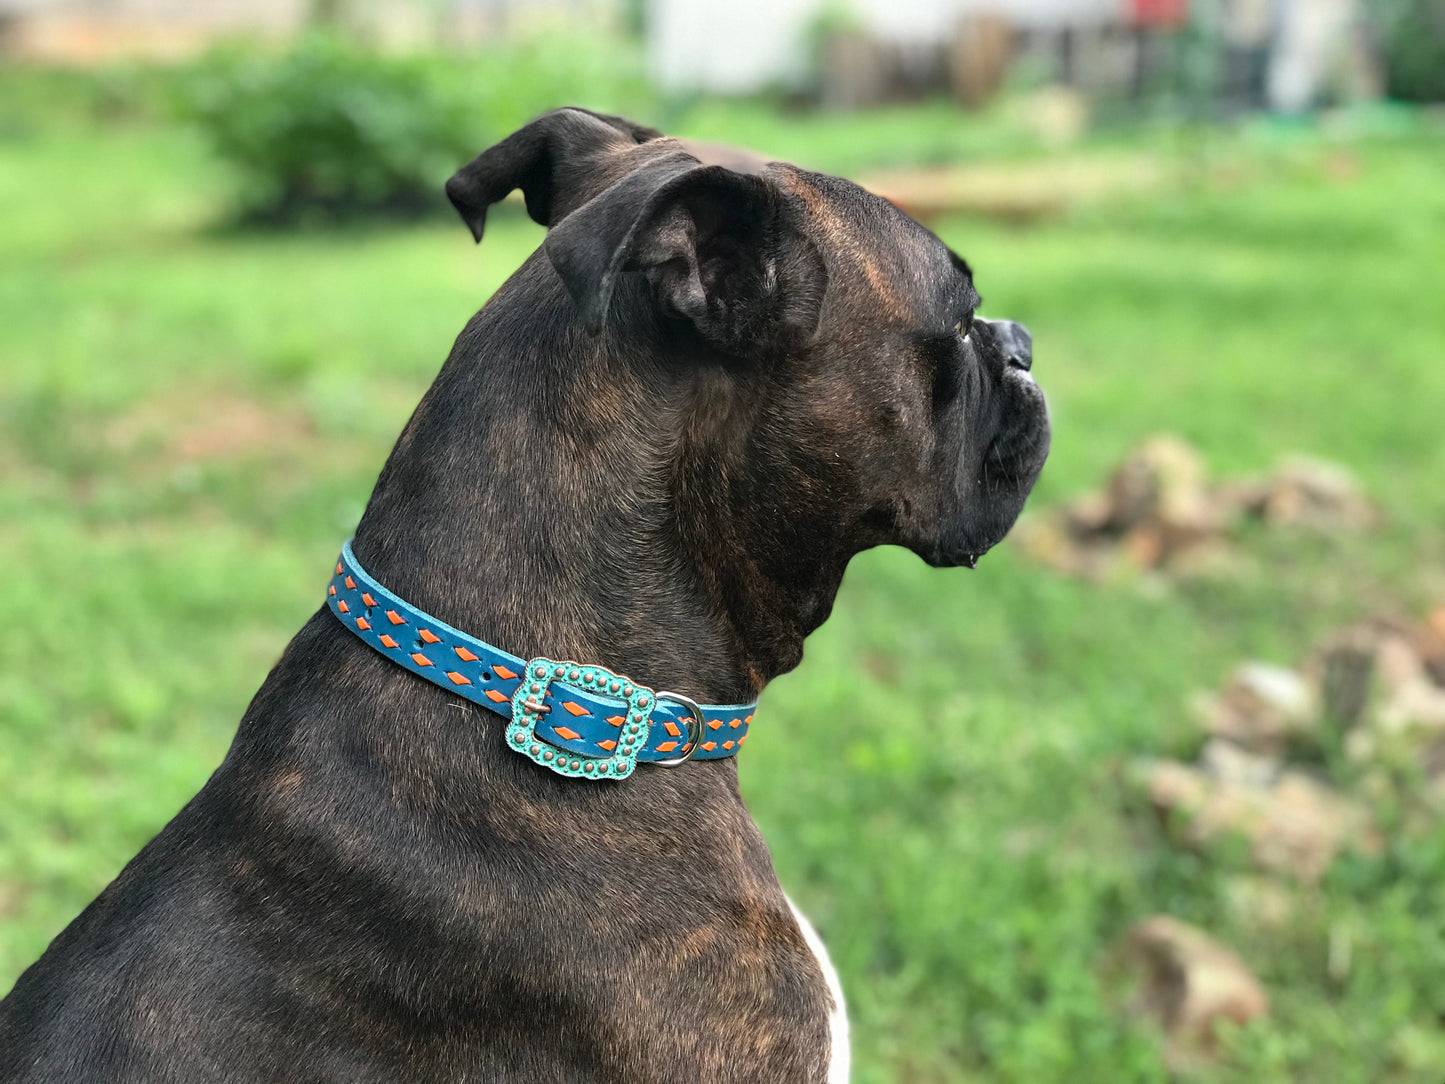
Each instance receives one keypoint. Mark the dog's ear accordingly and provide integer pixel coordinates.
(719, 248)
(558, 161)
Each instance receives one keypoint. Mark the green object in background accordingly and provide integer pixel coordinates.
(1412, 36)
(327, 130)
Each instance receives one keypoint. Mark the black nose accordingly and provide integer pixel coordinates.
(1015, 343)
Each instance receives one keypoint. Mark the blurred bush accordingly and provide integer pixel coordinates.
(1413, 34)
(327, 130)
(330, 130)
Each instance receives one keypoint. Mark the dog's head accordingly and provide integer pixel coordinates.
(845, 392)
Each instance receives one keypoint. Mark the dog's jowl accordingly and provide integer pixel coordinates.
(482, 820)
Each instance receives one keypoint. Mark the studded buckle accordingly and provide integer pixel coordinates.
(529, 706)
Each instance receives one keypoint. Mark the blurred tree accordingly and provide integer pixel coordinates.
(1413, 38)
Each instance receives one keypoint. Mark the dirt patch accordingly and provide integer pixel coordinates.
(1019, 192)
(12, 898)
(206, 426)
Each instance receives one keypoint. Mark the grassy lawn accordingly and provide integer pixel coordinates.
(941, 780)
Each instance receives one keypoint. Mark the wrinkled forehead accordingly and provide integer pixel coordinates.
(880, 256)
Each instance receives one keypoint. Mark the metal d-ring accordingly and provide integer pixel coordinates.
(694, 729)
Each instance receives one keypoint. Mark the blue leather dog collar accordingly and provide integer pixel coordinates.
(576, 719)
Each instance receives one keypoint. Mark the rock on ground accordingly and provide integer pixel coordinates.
(1188, 983)
(1159, 510)
(1295, 824)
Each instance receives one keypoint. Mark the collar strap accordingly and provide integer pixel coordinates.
(576, 719)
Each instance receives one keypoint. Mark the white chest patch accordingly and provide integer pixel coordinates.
(838, 1055)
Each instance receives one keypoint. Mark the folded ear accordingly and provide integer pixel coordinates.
(558, 161)
(720, 249)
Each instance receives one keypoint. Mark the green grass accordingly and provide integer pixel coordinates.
(941, 781)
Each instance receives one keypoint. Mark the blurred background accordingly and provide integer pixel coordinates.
(1156, 793)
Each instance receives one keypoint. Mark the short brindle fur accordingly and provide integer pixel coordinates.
(655, 448)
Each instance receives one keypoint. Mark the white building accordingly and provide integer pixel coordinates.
(747, 45)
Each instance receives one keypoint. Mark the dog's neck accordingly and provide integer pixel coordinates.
(592, 497)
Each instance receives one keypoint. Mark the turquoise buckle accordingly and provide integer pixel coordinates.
(529, 706)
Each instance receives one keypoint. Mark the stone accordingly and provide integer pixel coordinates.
(1188, 983)
(1155, 509)
(1397, 663)
(1305, 824)
(1054, 543)
(1345, 669)
(1262, 707)
(1432, 644)
(1294, 824)
(1163, 476)
(1263, 904)
(1412, 701)
(1316, 494)
(1379, 674)
(1090, 514)
(1160, 510)
(1231, 763)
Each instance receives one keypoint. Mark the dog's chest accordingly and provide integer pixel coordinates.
(838, 1044)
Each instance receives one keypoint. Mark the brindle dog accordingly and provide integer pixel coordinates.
(655, 449)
